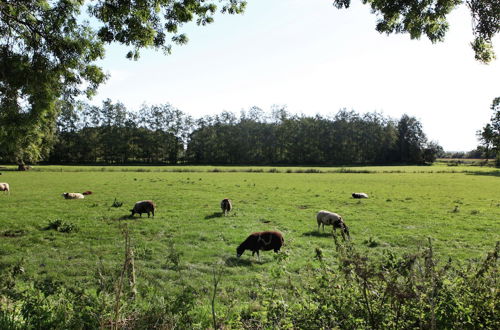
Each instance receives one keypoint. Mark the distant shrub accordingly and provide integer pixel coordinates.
(312, 170)
(254, 170)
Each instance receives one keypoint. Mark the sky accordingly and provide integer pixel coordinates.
(315, 59)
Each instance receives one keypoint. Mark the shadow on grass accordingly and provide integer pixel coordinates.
(214, 215)
(244, 261)
(127, 217)
(492, 173)
(316, 233)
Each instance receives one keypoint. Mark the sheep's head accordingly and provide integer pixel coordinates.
(239, 251)
(346, 231)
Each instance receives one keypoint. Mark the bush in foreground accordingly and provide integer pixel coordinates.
(355, 292)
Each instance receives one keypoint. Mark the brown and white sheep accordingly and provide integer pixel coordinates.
(73, 196)
(144, 207)
(332, 219)
(359, 195)
(265, 241)
(4, 186)
(226, 205)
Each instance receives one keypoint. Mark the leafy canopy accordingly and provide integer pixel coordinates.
(428, 17)
(48, 55)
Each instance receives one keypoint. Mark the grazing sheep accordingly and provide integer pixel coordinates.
(144, 207)
(332, 219)
(359, 195)
(73, 196)
(88, 192)
(4, 186)
(265, 241)
(226, 205)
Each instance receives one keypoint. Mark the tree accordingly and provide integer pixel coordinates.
(489, 136)
(428, 17)
(48, 53)
(411, 140)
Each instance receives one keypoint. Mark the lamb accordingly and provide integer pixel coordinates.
(359, 195)
(226, 205)
(88, 192)
(4, 186)
(144, 207)
(73, 196)
(332, 219)
(265, 241)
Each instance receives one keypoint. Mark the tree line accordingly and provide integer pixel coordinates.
(162, 134)
(50, 53)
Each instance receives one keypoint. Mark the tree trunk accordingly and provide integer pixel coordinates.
(22, 167)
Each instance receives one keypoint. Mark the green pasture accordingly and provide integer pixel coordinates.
(459, 208)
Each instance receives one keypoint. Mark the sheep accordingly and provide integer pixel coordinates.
(265, 241)
(332, 219)
(226, 205)
(144, 207)
(359, 195)
(73, 196)
(88, 192)
(4, 186)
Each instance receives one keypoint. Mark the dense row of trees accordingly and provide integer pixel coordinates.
(113, 135)
(49, 51)
(163, 134)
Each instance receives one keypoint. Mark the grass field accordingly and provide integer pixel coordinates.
(458, 207)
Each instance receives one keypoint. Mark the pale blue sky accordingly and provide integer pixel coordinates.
(314, 58)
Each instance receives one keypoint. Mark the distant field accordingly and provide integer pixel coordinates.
(459, 207)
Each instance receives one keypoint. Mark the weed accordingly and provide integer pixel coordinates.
(371, 242)
(117, 203)
(62, 226)
(173, 256)
(14, 233)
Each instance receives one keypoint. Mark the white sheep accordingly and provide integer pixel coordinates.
(359, 195)
(4, 187)
(73, 196)
(332, 219)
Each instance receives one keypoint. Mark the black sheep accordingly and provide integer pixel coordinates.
(265, 241)
(226, 205)
(144, 207)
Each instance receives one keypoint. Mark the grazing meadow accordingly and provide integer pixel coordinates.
(77, 243)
